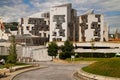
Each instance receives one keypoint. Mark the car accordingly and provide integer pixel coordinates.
(117, 54)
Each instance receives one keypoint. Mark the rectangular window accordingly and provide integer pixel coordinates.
(44, 34)
(59, 39)
(54, 39)
(27, 27)
(40, 34)
(54, 33)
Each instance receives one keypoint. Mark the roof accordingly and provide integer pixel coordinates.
(68, 4)
(91, 11)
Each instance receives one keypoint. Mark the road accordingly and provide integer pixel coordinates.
(54, 71)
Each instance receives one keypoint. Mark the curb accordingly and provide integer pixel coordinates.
(26, 71)
(12, 75)
(89, 76)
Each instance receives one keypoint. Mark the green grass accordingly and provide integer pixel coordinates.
(108, 67)
(20, 64)
(8, 65)
(1, 66)
(87, 59)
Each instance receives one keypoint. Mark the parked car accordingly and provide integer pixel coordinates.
(117, 54)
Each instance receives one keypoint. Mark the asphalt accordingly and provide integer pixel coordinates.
(53, 71)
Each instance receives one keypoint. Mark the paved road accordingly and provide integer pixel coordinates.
(55, 71)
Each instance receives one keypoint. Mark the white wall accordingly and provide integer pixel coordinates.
(58, 11)
(89, 33)
(37, 53)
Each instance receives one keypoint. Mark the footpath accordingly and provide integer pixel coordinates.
(10, 74)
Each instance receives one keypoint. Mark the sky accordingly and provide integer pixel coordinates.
(12, 10)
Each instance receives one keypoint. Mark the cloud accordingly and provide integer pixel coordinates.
(11, 10)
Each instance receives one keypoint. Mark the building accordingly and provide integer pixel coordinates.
(63, 23)
(115, 37)
(4, 33)
(91, 26)
(37, 26)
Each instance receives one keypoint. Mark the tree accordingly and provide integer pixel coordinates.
(67, 50)
(52, 49)
(12, 57)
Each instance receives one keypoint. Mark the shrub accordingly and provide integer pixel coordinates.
(97, 55)
(8, 65)
(62, 55)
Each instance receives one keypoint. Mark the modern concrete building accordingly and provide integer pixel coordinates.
(91, 26)
(36, 25)
(63, 23)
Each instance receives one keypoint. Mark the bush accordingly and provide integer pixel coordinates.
(62, 55)
(8, 65)
(97, 55)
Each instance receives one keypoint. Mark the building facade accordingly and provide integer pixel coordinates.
(92, 27)
(36, 26)
(62, 23)
(4, 33)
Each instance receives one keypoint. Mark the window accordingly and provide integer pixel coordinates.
(54, 39)
(32, 28)
(27, 27)
(44, 22)
(22, 21)
(95, 33)
(54, 34)
(58, 26)
(44, 34)
(98, 25)
(61, 33)
(59, 39)
(40, 34)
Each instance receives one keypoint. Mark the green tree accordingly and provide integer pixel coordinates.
(12, 57)
(67, 50)
(52, 49)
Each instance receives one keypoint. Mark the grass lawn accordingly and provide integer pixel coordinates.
(106, 67)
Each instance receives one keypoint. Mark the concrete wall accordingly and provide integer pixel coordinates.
(37, 53)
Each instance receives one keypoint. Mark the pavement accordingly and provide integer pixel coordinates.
(54, 71)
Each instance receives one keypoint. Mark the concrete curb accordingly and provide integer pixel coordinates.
(89, 76)
(31, 69)
(11, 76)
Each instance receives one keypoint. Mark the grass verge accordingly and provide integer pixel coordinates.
(107, 67)
(7, 65)
(87, 59)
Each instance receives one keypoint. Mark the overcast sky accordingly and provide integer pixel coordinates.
(11, 10)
